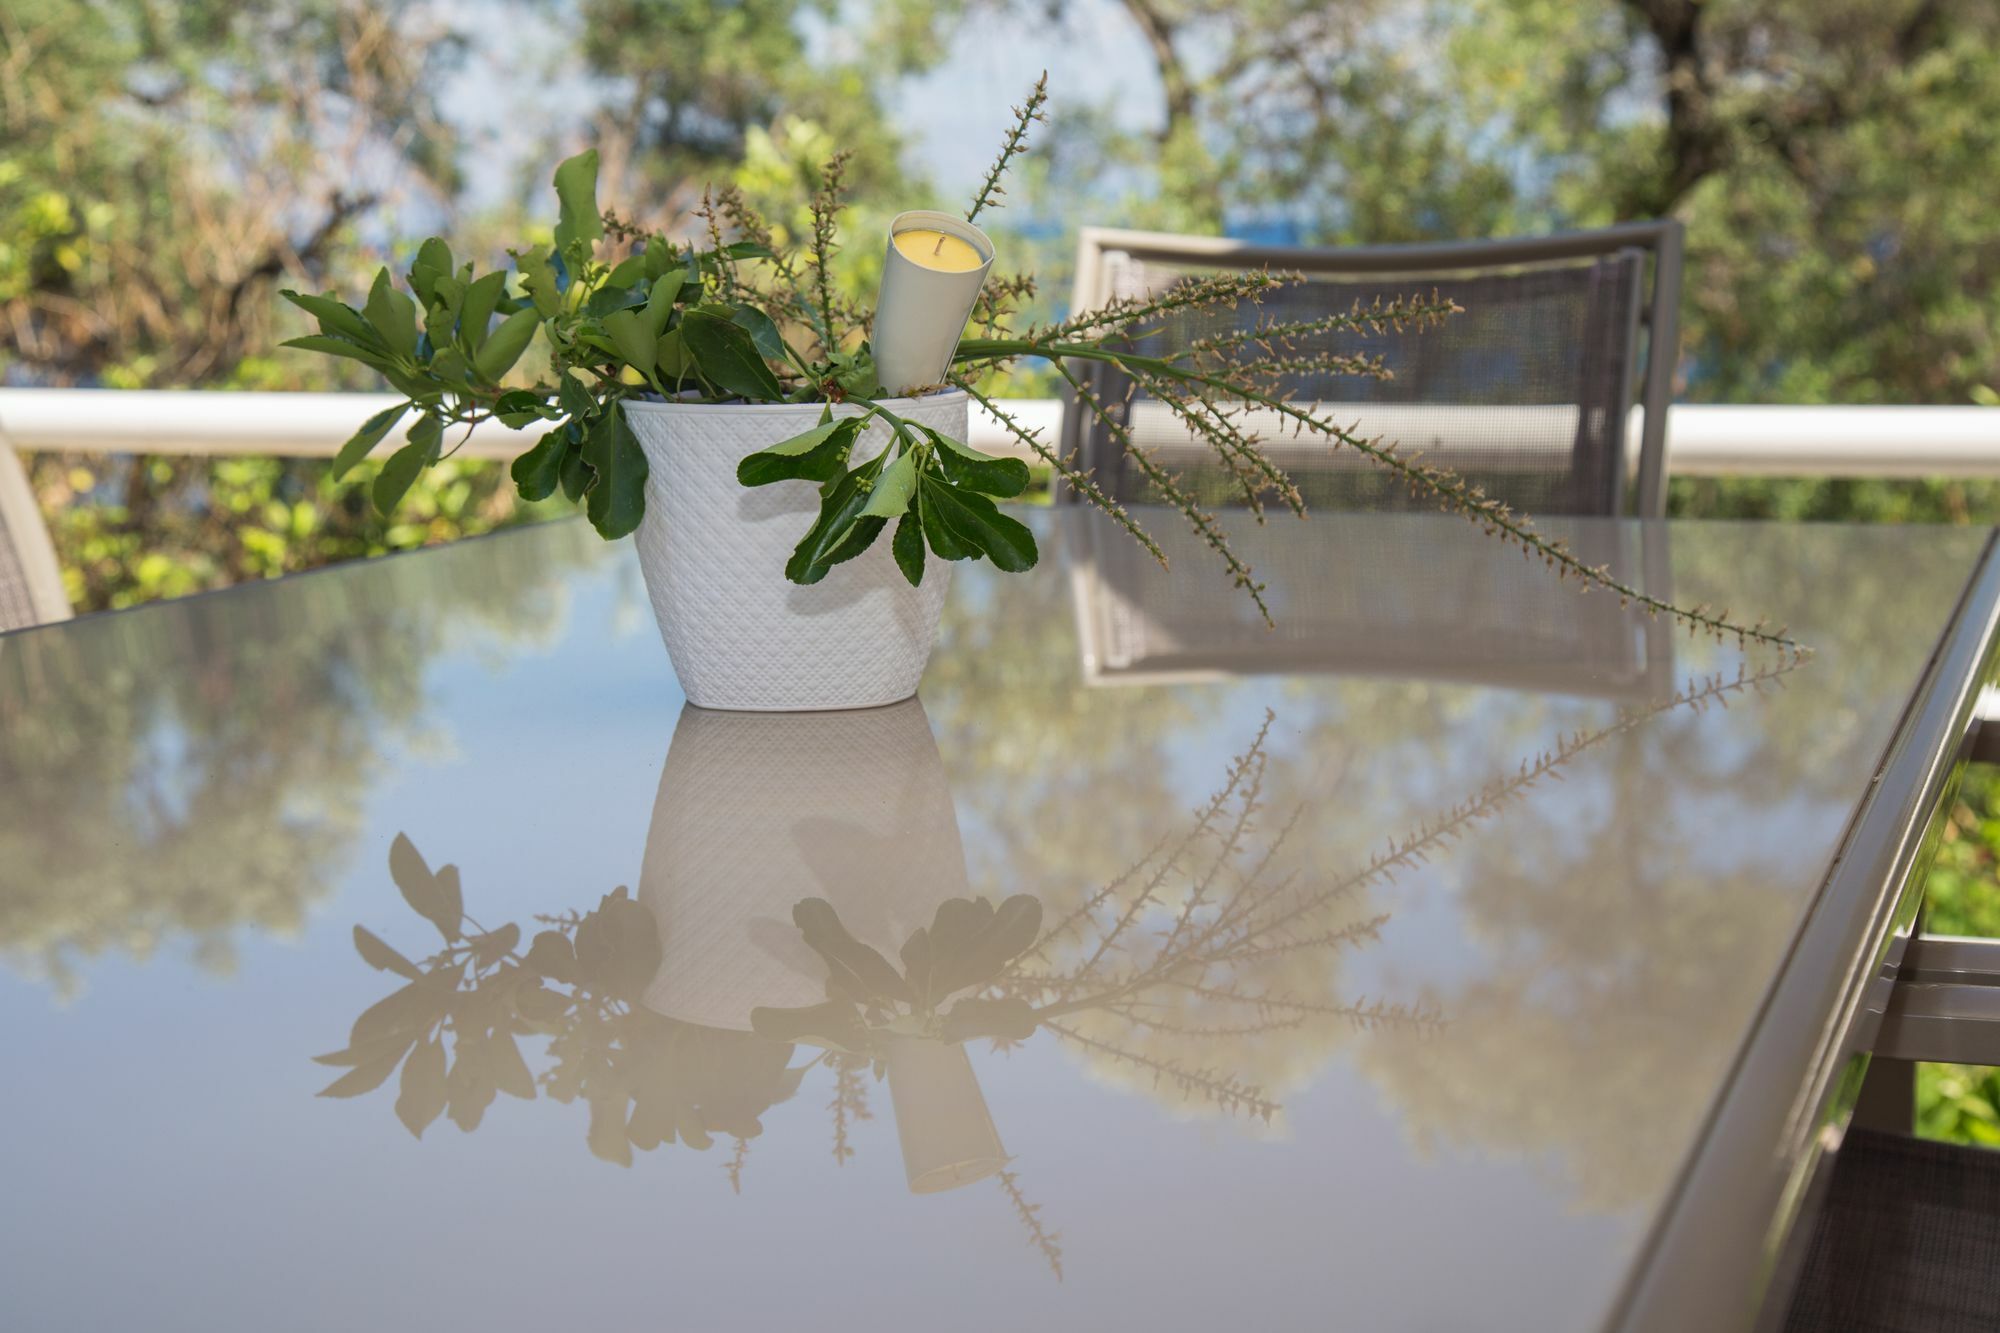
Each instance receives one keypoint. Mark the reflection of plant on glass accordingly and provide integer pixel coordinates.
(1208, 948)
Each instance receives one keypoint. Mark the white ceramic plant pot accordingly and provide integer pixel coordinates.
(713, 553)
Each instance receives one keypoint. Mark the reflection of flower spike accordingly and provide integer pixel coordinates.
(850, 1100)
(1030, 1214)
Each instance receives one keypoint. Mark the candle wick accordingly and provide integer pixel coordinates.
(940, 245)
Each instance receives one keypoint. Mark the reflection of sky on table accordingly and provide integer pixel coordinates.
(169, 1167)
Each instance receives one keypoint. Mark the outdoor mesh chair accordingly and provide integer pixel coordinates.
(30, 584)
(1908, 1241)
(1527, 392)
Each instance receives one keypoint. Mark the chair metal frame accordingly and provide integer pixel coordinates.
(26, 538)
(1658, 310)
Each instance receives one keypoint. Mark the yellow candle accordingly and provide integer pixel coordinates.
(938, 250)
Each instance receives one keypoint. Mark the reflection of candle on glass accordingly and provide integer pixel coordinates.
(930, 278)
(939, 250)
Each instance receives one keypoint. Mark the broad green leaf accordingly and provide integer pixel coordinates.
(404, 466)
(819, 454)
(538, 280)
(576, 193)
(423, 1094)
(977, 523)
(433, 261)
(763, 332)
(336, 317)
(944, 542)
(727, 356)
(575, 474)
(660, 304)
(573, 396)
(332, 346)
(392, 315)
(618, 500)
(481, 299)
(637, 344)
(908, 547)
(379, 955)
(607, 299)
(449, 365)
(505, 346)
(831, 537)
(517, 407)
(966, 467)
(371, 434)
(671, 356)
(626, 271)
(538, 472)
(894, 488)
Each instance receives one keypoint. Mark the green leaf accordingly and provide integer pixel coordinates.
(763, 332)
(908, 547)
(894, 489)
(727, 356)
(404, 466)
(500, 351)
(637, 344)
(945, 542)
(576, 192)
(433, 262)
(365, 439)
(393, 316)
(449, 365)
(819, 454)
(378, 955)
(975, 523)
(423, 1094)
(626, 271)
(538, 472)
(671, 355)
(434, 896)
(481, 299)
(618, 500)
(575, 475)
(660, 305)
(966, 467)
(336, 317)
(538, 280)
(331, 346)
(831, 538)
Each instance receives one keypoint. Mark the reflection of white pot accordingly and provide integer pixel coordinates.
(713, 553)
(947, 1133)
(755, 812)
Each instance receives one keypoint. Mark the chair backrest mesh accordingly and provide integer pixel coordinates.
(1526, 392)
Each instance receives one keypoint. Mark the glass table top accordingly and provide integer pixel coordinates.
(1151, 969)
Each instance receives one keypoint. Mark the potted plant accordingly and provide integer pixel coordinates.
(796, 468)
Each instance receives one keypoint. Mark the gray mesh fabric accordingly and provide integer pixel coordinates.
(1908, 1241)
(1525, 392)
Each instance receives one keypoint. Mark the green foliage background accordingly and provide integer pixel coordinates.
(164, 169)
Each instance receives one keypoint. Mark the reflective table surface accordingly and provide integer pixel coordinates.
(391, 948)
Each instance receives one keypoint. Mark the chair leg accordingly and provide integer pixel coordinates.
(1888, 1100)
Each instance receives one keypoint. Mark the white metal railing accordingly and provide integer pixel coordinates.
(1702, 439)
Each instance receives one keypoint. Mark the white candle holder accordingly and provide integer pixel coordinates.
(920, 313)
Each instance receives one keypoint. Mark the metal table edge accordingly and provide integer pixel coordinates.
(1722, 1252)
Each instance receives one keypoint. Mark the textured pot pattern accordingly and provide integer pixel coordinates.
(713, 553)
(755, 812)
